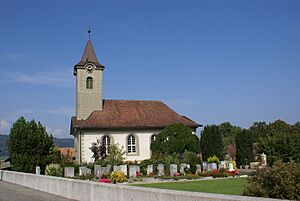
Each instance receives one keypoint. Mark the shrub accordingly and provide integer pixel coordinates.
(192, 159)
(87, 176)
(54, 170)
(213, 159)
(118, 177)
(282, 181)
(144, 164)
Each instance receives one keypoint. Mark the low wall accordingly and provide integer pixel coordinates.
(92, 191)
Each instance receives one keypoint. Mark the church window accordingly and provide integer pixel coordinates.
(89, 83)
(153, 137)
(131, 144)
(106, 143)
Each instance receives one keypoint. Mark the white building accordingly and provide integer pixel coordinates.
(132, 124)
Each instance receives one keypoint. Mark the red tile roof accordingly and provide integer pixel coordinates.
(128, 114)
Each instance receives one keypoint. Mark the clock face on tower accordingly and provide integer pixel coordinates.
(90, 67)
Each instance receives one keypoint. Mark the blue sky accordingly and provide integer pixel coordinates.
(214, 61)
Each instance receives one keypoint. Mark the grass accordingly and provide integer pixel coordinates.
(232, 186)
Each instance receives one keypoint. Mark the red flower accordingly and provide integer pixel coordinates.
(105, 180)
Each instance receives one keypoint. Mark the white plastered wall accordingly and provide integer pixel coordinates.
(143, 141)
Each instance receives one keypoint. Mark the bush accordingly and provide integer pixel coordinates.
(87, 176)
(192, 159)
(118, 177)
(213, 159)
(54, 170)
(144, 164)
(282, 181)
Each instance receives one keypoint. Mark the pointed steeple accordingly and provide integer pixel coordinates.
(88, 56)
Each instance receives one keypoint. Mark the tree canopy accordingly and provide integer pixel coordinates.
(211, 142)
(176, 138)
(29, 145)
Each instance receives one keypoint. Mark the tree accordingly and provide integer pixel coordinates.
(211, 142)
(244, 147)
(115, 156)
(281, 142)
(99, 151)
(176, 138)
(228, 133)
(29, 146)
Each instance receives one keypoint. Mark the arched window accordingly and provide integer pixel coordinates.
(153, 137)
(106, 143)
(89, 83)
(131, 144)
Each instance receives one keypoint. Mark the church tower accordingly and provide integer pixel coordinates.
(88, 74)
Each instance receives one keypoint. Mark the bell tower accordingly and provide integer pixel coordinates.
(88, 74)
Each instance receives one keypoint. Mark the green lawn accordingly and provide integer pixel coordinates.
(232, 186)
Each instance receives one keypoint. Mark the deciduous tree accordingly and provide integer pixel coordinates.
(176, 138)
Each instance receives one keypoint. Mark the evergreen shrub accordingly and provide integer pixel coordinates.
(54, 170)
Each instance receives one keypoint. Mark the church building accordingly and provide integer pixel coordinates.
(133, 124)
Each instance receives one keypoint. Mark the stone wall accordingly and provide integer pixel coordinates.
(92, 191)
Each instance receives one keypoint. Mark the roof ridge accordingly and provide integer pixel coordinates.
(132, 100)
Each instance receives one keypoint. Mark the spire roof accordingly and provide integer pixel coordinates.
(89, 55)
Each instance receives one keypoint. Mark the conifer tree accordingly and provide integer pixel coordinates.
(29, 145)
(211, 142)
(244, 147)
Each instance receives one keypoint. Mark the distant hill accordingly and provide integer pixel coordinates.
(60, 142)
(64, 142)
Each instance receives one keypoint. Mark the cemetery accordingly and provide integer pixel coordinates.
(129, 173)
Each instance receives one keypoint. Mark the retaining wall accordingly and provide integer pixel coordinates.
(92, 191)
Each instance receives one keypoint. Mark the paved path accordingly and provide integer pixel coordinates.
(13, 192)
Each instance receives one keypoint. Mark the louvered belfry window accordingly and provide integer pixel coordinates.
(89, 83)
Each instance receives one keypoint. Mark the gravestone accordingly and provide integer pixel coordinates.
(124, 169)
(132, 171)
(69, 171)
(82, 170)
(214, 166)
(161, 169)
(263, 158)
(100, 171)
(198, 169)
(149, 169)
(254, 165)
(108, 168)
(138, 169)
(117, 168)
(222, 165)
(184, 167)
(173, 170)
(209, 167)
(204, 165)
(37, 170)
(97, 170)
(88, 171)
(231, 169)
